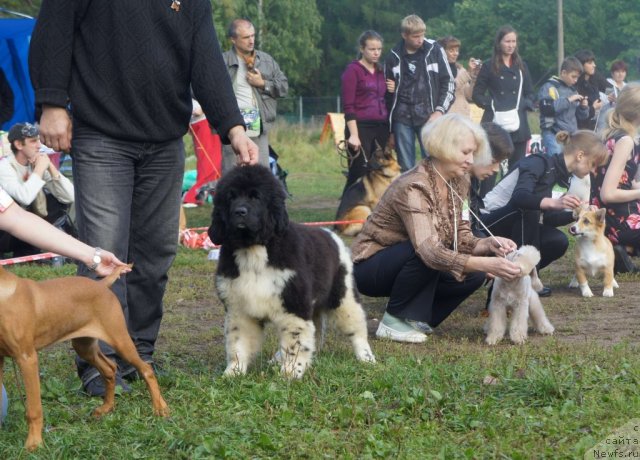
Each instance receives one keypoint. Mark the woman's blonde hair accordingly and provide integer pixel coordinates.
(625, 116)
(586, 141)
(441, 138)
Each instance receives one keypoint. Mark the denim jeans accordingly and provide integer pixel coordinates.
(549, 143)
(406, 145)
(128, 201)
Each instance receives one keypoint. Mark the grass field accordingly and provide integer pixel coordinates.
(452, 397)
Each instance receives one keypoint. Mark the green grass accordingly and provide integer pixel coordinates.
(552, 398)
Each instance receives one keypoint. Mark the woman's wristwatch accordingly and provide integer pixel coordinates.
(97, 259)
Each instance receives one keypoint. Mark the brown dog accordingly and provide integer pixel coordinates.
(594, 252)
(36, 314)
(361, 197)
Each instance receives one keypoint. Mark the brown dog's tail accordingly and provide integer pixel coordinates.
(115, 274)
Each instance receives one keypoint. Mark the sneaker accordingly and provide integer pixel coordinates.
(93, 385)
(544, 292)
(623, 262)
(420, 326)
(398, 330)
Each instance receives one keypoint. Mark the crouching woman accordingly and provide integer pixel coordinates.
(416, 249)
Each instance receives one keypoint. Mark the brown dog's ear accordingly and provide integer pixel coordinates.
(601, 214)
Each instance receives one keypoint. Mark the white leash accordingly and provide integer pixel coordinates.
(455, 224)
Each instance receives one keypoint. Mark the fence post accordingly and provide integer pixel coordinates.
(338, 103)
(300, 108)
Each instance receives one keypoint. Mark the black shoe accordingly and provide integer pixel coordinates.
(93, 384)
(544, 292)
(130, 373)
(623, 262)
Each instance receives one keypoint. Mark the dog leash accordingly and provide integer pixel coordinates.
(345, 154)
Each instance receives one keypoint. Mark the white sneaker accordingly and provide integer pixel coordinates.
(398, 330)
(420, 326)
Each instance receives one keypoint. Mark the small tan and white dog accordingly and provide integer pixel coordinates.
(521, 296)
(593, 251)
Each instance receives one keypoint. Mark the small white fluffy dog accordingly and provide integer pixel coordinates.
(522, 297)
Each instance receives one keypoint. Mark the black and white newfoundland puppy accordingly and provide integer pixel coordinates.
(270, 269)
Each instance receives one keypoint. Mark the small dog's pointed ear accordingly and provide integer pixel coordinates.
(601, 214)
(218, 228)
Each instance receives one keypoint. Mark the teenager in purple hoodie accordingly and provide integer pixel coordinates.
(365, 112)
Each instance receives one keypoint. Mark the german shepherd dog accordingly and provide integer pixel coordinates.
(363, 195)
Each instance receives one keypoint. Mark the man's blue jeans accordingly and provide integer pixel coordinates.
(128, 202)
(405, 144)
(550, 144)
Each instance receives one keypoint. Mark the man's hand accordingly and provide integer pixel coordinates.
(254, 78)
(246, 150)
(55, 128)
(435, 115)
(40, 164)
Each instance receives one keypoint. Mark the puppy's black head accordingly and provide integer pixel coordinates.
(248, 207)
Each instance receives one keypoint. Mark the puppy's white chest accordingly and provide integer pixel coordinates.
(258, 289)
(591, 258)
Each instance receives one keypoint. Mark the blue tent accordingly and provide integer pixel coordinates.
(15, 35)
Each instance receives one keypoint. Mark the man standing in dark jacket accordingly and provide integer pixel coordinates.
(420, 87)
(115, 77)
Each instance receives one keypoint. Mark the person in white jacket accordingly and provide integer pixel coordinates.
(28, 176)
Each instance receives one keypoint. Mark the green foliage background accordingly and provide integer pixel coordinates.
(313, 40)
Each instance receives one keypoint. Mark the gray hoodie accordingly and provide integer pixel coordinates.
(567, 113)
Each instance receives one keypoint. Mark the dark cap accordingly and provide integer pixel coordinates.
(21, 131)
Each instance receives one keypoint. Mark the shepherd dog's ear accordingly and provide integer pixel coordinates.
(601, 214)
(218, 228)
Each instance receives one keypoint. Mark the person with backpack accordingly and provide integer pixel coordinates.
(514, 207)
(561, 106)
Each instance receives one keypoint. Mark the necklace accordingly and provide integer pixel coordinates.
(455, 223)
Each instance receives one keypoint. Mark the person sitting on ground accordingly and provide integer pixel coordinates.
(30, 178)
(616, 184)
(38, 232)
(501, 149)
(561, 106)
(513, 208)
(416, 249)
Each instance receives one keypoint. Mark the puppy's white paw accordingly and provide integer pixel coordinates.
(615, 284)
(365, 354)
(546, 328)
(608, 292)
(586, 291)
(518, 336)
(233, 370)
(492, 339)
(293, 370)
(574, 283)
